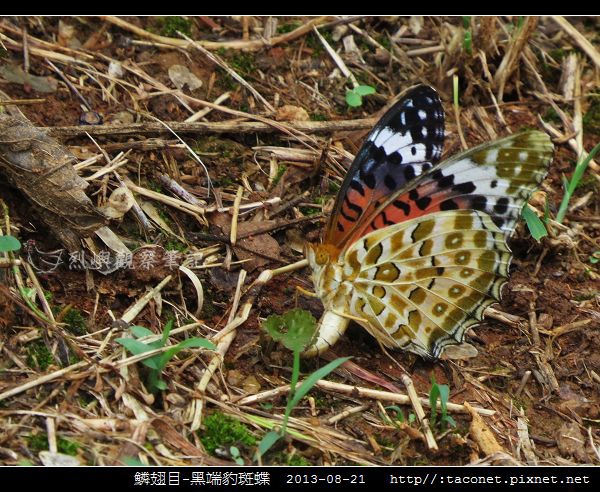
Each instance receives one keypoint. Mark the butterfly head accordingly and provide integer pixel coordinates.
(326, 270)
(319, 255)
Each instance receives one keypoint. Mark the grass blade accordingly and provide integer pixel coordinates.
(311, 380)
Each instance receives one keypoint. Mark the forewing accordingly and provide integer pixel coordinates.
(496, 178)
(419, 284)
(405, 143)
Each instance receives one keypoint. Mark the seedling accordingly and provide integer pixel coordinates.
(534, 223)
(157, 363)
(571, 186)
(295, 330)
(235, 454)
(354, 96)
(468, 38)
(441, 392)
(411, 416)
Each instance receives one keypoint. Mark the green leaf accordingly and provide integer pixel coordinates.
(267, 442)
(595, 258)
(29, 293)
(161, 385)
(468, 42)
(444, 391)
(311, 380)
(295, 329)
(364, 90)
(434, 394)
(534, 223)
(9, 243)
(140, 331)
(166, 332)
(189, 343)
(353, 99)
(398, 410)
(136, 348)
(132, 461)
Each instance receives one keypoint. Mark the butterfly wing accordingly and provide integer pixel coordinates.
(419, 283)
(496, 178)
(405, 143)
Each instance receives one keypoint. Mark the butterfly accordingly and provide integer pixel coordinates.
(416, 249)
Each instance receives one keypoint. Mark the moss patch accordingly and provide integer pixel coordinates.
(222, 431)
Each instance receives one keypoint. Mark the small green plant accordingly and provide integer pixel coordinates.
(175, 23)
(440, 392)
(235, 454)
(221, 430)
(295, 330)
(534, 223)
(157, 363)
(75, 322)
(595, 258)
(318, 117)
(280, 170)
(132, 461)
(66, 446)
(38, 355)
(468, 38)
(289, 27)
(243, 63)
(175, 245)
(9, 243)
(37, 442)
(400, 414)
(571, 186)
(354, 96)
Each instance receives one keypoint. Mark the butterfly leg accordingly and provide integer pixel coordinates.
(300, 290)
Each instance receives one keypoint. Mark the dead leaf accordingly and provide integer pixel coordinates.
(259, 250)
(16, 75)
(182, 76)
(119, 203)
(58, 459)
(571, 442)
(291, 113)
(66, 35)
(41, 168)
(482, 434)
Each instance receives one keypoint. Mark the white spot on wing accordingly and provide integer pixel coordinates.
(422, 114)
(390, 140)
(492, 156)
(523, 156)
(419, 156)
